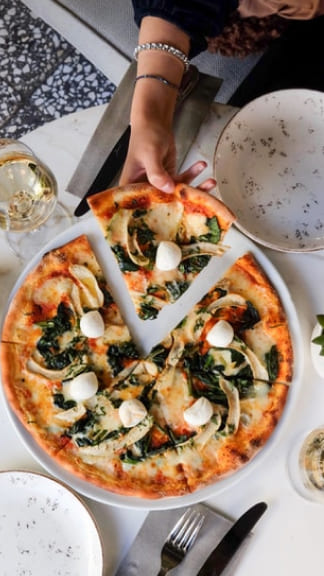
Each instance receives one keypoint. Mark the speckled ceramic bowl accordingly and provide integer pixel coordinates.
(269, 166)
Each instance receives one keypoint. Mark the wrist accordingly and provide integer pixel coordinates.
(153, 102)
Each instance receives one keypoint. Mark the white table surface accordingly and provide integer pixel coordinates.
(288, 539)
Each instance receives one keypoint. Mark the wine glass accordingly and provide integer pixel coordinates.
(29, 211)
(306, 464)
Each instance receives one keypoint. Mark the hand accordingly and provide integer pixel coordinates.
(151, 157)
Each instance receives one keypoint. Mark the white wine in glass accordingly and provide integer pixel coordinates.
(28, 197)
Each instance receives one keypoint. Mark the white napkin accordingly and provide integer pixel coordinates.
(144, 556)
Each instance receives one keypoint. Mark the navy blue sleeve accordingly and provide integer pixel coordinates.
(199, 19)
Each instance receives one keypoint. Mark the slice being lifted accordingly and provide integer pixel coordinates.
(161, 241)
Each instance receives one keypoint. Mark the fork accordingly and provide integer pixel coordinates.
(180, 540)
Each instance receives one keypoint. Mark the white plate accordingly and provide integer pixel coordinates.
(269, 166)
(45, 529)
(147, 334)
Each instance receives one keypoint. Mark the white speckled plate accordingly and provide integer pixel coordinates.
(45, 529)
(269, 166)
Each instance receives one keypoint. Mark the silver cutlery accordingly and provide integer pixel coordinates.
(180, 540)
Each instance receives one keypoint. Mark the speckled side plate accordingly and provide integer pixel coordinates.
(45, 529)
(269, 166)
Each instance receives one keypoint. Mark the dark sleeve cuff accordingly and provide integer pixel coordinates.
(197, 19)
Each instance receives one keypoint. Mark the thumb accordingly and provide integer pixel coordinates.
(159, 177)
(162, 181)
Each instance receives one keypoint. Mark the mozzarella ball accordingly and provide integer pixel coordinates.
(132, 412)
(82, 387)
(221, 334)
(168, 256)
(92, 324)
(199, 413)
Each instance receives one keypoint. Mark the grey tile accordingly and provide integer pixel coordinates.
(10, 102)
(42, 77)
(29, 49)
(26, 119)
(74, 85)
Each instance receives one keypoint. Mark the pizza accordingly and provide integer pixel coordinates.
(193, 411)
(161, 241)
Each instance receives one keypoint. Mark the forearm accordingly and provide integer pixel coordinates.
(154, 101)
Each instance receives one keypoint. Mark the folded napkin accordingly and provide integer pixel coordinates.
(144, 556)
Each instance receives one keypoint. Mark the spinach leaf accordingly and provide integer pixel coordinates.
(124, 262)
(194, 264)
(148, 311)
(272, 363)
(176, 288)
(215, 233)
(117, 353)
(158, 355)
(144, 234)
(57, 325)
(49, 345)
(60, 402)
(250, 317)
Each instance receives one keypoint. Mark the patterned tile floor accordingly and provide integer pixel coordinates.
(42, 77)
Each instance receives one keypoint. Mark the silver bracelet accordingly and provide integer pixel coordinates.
(159, 78)
(163, 48)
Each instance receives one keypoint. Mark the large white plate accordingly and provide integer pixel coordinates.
(147, 334)
(45, 528)
(269, 166)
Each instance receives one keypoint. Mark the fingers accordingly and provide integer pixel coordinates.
(192, 172)
(152, 171)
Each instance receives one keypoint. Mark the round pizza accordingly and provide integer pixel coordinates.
(195, 410)
(161, 241)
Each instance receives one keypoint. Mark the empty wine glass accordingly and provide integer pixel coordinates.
(28, 198)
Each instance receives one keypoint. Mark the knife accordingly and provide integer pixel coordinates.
(107, 172)
(195, 97)
(230, 543)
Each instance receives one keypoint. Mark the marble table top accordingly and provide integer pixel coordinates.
(289, 537)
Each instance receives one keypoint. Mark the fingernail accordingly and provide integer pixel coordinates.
(167, 187)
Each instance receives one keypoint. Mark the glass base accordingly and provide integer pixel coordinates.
(26, 245)
(306, 465)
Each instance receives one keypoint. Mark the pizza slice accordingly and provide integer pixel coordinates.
(234, 368)
(63, 340)
(161, 241)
